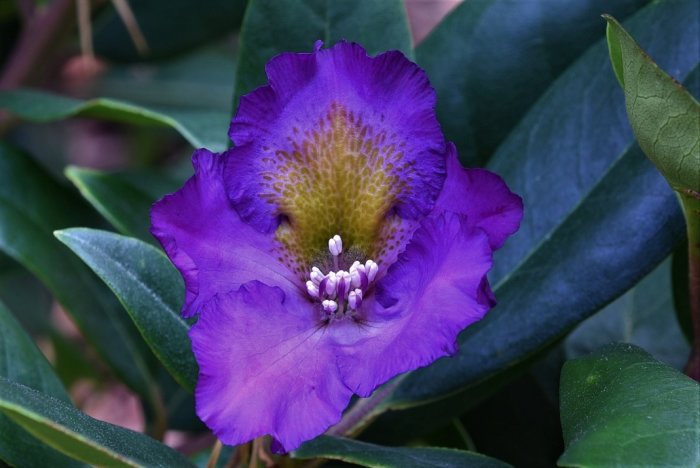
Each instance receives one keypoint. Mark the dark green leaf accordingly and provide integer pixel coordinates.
(32, 205)
(589, 232)
(149, 288)
(272, 27)
(169, 27)
(644, 317)
(124, 199)
(619, 406)
(22, 362)
(25, 295)
(364, 454)
(664, 116)
(78, 435)
(200, 127)
(490, 60)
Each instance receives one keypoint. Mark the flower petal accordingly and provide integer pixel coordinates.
(207, 241)
(436, 288)
(265, 368)
(483, 197)
(336, 142)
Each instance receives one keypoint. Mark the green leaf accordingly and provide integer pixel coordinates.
(643, 316)
(200, 127)
(32, 206)
(619, 406)
(490, 60)
(149, 288)
(124, 199)
(665, 117)
(364, 454)
(681, 289)
(270, 28)
(169, 27)
(599, 233)
(22, 362)
(78, 435)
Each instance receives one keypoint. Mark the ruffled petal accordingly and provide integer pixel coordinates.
(436, 288)
(206, 240)
(336, 142)
(483, 197)
(265, 367)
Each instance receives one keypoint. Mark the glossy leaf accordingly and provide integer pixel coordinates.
(364, 454)
(270, 28)
(619, 406)
(665, 117)
(32, 205)
(490, 60)
(168, 26)
(124, 199)
(643, 316)
(78, 435)
(149, 288)
(22, 362)
(200, 127)
(598, 233)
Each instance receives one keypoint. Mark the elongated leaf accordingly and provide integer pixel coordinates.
(200, 127)
(619, 406)
(169, 27)
(22, 362)
(598, 234)
(149, 288)
(643, 316)
(490, 60)
(364, 454)
(80, 436)
(124, 199)
(270, 28)
(32, 205)
(664, 116)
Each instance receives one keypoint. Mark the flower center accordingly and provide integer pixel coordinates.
(340, 292)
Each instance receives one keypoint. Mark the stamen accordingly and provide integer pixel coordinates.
(329, 306)
(358, 275)
(355, 299)
(316, 275)
(331, 283)
(312, 289)
(344, 282)
(371, 268)
(335, 245)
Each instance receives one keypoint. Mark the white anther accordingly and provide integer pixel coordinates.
(331, 283)
(316, 275)
(355, 274)
(312, 289)
(335, 245)
(329, 306)
(355, 299)
(371, 268)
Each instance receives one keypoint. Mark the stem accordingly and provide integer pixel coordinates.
(215, 452)
(690, 200)
(38, 36)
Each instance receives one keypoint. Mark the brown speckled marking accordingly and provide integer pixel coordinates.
(340, 177)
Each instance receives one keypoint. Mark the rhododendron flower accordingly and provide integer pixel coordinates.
(338, 244)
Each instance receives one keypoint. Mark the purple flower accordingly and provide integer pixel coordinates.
(338, 244)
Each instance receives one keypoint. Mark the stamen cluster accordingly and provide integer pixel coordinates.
(341, 292)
